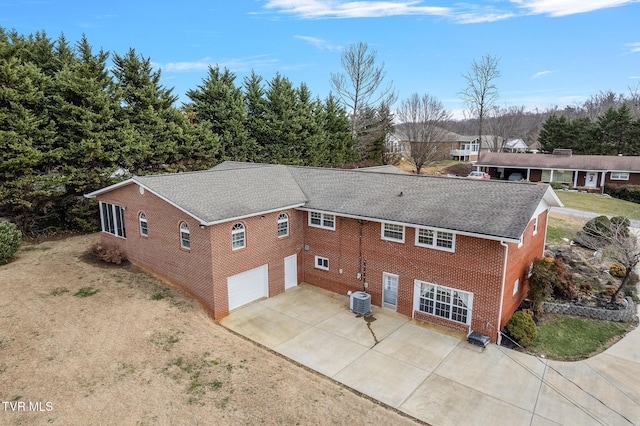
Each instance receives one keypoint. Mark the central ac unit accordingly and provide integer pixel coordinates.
(360, 303)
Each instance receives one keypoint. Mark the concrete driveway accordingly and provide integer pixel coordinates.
(438, 377)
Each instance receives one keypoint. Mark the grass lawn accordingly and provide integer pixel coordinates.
(560, 227)
(598, 204)
(569, 338)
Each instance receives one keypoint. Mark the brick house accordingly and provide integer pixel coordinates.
(591, 172)
(451, 251)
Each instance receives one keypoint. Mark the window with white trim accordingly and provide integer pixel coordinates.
(322, 263)
(535, 225)
(283, 225)
(322, 220)
(619, 176)
(144, 231)
(516, 286)
(445, 302)
(393, 232)
(426, 237)
(185, 236)
(112, 219)
(238, 236)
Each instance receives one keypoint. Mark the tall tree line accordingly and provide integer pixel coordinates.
(70, 123)
(615, 132)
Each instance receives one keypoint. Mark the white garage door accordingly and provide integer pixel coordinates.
(248, 286)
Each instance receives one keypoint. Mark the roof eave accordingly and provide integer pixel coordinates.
(395, 222)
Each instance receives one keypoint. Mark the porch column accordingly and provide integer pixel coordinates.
(575, 178)
(551, 176)
(529, 175)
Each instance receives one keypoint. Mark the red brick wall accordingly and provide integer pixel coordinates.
(160, 252)
(197, 271)
(519, 261)
(475, 266)
(262, 247)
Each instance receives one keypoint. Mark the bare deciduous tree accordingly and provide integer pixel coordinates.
(617, 242)
(504, 124)
(360, 89)
(422, 119)
(481, 92)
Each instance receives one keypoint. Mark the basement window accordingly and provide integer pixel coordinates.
(322, 263)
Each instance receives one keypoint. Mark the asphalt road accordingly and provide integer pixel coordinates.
(585, 215)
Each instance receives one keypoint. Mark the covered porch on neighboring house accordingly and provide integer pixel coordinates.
(587, 172)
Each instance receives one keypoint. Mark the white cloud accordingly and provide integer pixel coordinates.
(233, 64)
(542, 74)
(568, 7)
(319, 43)
(633, 47)
(462, 13)
(353, 9)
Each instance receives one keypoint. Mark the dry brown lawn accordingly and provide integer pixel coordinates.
(110, 345)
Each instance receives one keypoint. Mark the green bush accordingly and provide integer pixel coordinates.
(522, 328)
(556, 185)
(10, 240)
(624, 192)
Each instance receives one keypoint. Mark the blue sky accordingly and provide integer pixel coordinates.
(552, 52)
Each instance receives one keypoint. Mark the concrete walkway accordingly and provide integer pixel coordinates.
(439, 378)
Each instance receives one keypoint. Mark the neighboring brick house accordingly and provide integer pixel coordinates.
(591, 172)
(451, 251)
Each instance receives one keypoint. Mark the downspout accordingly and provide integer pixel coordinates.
(504, 279)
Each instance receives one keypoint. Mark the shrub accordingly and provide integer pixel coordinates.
(549, 276)
(617, 270)
(624, 192)
(556, 185)
(10, 240)
(522, 328)
(109, 253)
(461, 169)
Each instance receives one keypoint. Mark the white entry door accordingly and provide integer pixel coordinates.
(290, 271)
(591, 180)
(390, 291)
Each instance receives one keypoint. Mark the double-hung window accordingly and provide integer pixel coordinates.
(426, 237)
(393, 232)
(144, 231)
(185, 236)
(283, 225)
(322, 220)
(112, 219)
(238, 236)
(444, 302)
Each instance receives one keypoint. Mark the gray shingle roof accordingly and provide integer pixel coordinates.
(492, 208)
(571, 162)
(219, 194)
(231, 190)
